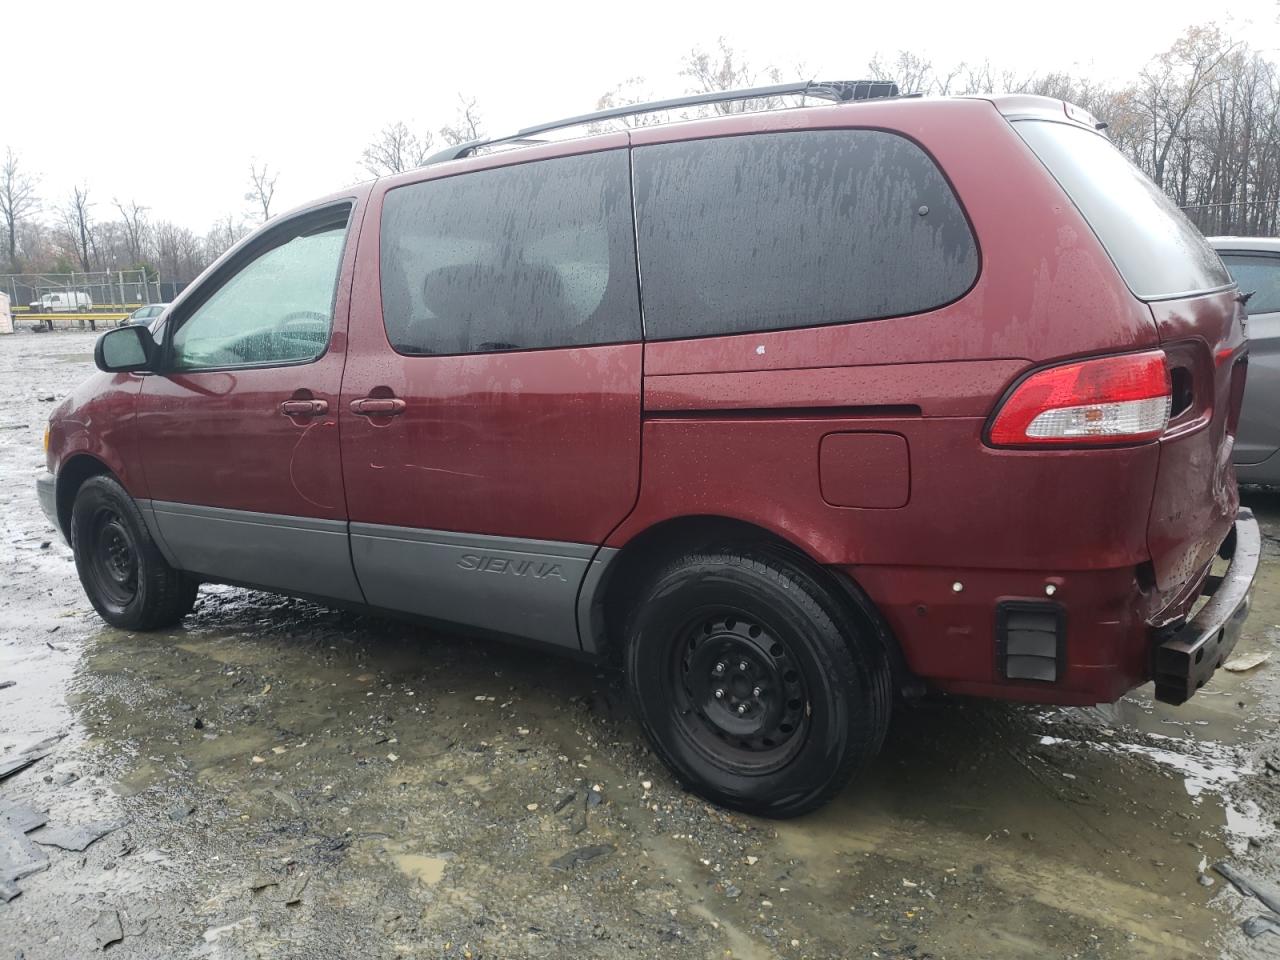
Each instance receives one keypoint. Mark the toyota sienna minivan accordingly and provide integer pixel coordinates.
(783, 413)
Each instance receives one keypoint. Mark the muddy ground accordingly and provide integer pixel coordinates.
(288, 781)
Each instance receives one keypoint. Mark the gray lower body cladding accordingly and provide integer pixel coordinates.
(515, 586)
(292, 554)
(510, 585)
(47, 493)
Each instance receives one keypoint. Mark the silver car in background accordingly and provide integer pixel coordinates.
(1254, 262)
(144, 315)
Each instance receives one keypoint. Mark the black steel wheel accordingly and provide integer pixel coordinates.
(123, 573)
(754, 681)
(739, 691)
(112, 557)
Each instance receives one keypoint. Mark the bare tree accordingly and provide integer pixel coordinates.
(631, 91)
(1201, 119)
(396, 150)
(713, 71)
(134, 217)
(466, 125)
(913, 73)
(18, 200)
(222, 236)
(262, 189)
(1170, 86)
(707, 71)
(179, 253)
(109, 244)
(77, 222)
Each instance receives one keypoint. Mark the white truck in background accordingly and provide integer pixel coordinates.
(64, 301)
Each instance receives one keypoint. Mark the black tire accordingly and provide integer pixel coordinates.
(126, 578)
(804, 692)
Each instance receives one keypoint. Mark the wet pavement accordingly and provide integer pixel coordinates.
(277, 779)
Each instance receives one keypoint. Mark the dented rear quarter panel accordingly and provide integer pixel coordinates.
(1196, 497)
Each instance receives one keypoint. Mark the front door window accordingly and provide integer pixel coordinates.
(276, 310)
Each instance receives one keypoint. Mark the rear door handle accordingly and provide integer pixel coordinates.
(377, 407)
(304, 408)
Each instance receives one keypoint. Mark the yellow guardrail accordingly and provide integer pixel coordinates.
(74, 316)
(127, 307)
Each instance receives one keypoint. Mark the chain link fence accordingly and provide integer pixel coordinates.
(83, 297)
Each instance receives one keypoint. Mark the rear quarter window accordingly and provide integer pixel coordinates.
(782, 230)
(1158, 251)
(1258, 274)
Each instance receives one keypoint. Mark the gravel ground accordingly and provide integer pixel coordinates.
(277, 779)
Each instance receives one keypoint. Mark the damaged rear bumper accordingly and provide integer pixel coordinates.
(1186, 659)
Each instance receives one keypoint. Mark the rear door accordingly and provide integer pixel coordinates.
(239, 432)
(1258, 272)
(491, 403)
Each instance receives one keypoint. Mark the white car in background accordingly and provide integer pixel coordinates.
(64, 301)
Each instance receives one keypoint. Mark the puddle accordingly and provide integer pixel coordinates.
(423, 869)
(1246, 822)
(1198, 773)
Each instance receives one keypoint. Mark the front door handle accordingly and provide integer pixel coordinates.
(304, 408)
(377, 407)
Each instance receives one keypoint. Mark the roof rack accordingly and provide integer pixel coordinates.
(836, 90)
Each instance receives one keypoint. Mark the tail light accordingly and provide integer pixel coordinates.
(1108, 400)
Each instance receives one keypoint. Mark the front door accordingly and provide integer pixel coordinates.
(491, 405)
(239, 433)
(1258, 272)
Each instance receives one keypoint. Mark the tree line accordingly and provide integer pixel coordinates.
(1202, 119)
(85, 233)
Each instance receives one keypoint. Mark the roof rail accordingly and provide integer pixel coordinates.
(836, 90)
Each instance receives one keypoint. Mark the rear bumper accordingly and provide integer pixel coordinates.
(1098, 640)
(1185, 661)
(47, 493)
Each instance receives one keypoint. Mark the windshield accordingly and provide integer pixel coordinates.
(1158, 251)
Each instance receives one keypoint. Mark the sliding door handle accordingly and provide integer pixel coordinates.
(377, 406)
(304, 408)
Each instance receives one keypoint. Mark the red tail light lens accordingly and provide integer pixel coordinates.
(1108, 400)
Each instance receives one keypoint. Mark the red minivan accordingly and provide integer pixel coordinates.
(784, 413)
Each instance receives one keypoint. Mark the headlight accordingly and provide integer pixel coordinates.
(46, 439)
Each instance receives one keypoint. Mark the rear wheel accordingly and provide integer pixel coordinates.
(125, 576)
(753, 681)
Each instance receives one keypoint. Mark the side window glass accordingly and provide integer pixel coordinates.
(278, 308)
(1258, 274)
(531, 256)
(779, 230)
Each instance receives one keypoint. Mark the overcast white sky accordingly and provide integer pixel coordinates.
(167, 103)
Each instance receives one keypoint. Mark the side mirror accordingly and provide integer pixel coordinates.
(125, 350)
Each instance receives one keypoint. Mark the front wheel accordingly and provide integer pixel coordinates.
(753, 682)
(125, 576)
